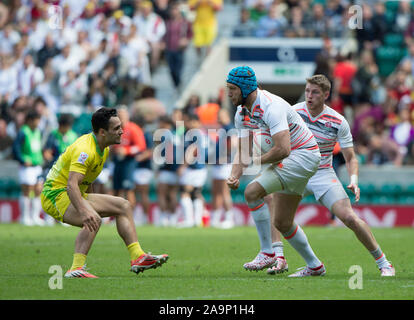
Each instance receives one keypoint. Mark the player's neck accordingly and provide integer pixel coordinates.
(316, 110)
(251, 98)
(100, 141)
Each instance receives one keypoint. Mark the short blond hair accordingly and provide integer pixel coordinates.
(321, 81)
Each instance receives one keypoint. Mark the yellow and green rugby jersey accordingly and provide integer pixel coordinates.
(83, 156)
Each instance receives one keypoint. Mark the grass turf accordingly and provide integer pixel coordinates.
(205, 263)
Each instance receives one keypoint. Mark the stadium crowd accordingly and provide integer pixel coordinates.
(105, 52)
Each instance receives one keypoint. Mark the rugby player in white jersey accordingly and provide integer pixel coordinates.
(294, 158)
(328, 127)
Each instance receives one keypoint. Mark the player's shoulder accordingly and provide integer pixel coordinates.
(333, 115)
(267, 100)
(300, 106)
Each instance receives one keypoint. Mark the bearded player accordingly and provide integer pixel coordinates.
(328, 127)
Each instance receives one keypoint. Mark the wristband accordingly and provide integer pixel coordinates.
(354, 179)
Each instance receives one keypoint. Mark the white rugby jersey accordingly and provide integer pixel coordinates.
(274, 114)
(328, 127)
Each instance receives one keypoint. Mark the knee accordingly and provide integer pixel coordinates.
(125, 207)
(252, 194)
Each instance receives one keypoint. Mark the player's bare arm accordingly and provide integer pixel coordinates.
(89, 216)
(352, 167)
(241, 160)
(280, 150)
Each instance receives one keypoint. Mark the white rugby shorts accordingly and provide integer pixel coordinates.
(293, 172)
(194, 177)
(168, 177)
(221, 171)
(326, 187)
(143, 176)
(29, 175)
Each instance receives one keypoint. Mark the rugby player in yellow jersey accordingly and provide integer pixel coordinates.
(67, 195)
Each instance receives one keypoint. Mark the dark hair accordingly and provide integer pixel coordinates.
(32, 115)
(100, 118)
(166, 119)
(193, 117)
(65, 119)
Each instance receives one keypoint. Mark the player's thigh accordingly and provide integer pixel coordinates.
(107, 205)
(71, 215)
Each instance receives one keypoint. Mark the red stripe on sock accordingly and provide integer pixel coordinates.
(293, 234)
(258, 207)
(380, 256)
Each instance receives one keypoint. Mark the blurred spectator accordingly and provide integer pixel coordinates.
(192, 104)
(8, 38)
(372, 31)
(48, 120)
(28, 76)
(403, 132)
(163, 8)
(177, 38)
(143, 174)
(151, 26)
(59, 139)
(383, 150)
(295, 27)
(133, 53)
(8, 79)
(205, 23)
(64, 61)
(6, 142)
(409, 157)
(246, 26)
(148, 106)
(319, 26)
(132, 142)
(27, 150)
(48, 51)
(364, 79)
(4, 15)
(48, 89)
(271, 25)
(343, 73)
(403, 16)
(258, 9)
(408, 60)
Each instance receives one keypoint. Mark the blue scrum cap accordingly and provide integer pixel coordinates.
(243, 77)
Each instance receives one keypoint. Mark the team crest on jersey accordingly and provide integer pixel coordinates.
(82, 157)
(328, 124)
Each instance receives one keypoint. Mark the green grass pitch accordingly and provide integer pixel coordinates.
(204, 264)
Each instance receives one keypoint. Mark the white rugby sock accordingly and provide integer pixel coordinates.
(261, 217)
(298, 240)
(278, 247)
(198, 211)
(380, 258)
(187, 206)
(24, 203)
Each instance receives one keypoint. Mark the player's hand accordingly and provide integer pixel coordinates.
(233, 183)
(91, 222)
(355, 189)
